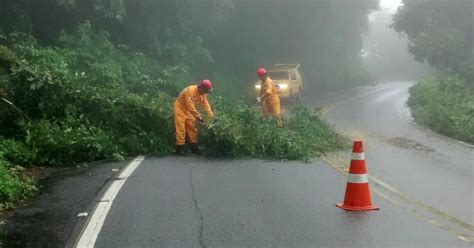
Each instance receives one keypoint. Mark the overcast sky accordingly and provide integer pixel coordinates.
(391, 5)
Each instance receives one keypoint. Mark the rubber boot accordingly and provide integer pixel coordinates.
(195, 149)
(180, 150)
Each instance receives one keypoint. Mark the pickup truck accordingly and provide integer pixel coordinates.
(287, 79)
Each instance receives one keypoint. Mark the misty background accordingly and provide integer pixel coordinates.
(220, 39)
(106, 68)
(385, 53)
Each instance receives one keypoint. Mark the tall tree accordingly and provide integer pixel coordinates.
(439, 32)
(324, 36)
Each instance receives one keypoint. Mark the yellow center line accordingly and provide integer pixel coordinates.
(334, 162)
(331, 107)
(415, 201)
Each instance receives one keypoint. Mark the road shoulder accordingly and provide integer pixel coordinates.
(49, 218)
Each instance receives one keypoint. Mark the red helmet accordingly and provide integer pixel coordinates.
(206, 84)
(262, 72)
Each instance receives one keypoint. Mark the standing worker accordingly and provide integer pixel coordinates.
(186, 114)
(269, 97)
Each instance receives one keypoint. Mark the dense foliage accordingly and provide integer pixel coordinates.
(230, 36)
(441, 33)
(239, 131)
(14, 185)
(86, 99)
(446, 105)
(323, 36)
(81, 95)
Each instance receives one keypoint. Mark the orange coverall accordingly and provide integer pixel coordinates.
(185, 114)
(271, 103)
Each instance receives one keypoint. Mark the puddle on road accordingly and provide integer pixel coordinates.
(409, 144)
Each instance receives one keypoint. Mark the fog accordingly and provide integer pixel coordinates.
(386, 54)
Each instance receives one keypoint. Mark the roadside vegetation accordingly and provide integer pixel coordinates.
(444, 102)
(97, 79)
(15, 185)
(445, 105)
(87, 99)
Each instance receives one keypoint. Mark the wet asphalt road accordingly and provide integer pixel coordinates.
(195, 202)
(429, 167)
(49, 218)
(422, 182)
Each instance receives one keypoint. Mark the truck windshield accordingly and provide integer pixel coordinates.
(280, 75)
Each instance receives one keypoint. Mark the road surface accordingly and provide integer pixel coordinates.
(421, 181)
(432, 168)
(428, 170)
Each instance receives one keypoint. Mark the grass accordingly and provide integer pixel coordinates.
(446, 105)
(14, 185)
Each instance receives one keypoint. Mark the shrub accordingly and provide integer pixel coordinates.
(14, 185)
(143, 124)
(58, 142)
(16, 152)
(239, 131)
(445, 105)
(87, 99)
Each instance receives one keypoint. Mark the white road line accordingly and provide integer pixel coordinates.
(89, 235)
(131, 167)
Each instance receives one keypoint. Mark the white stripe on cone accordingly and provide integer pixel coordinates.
(357, 178)
(358, 156)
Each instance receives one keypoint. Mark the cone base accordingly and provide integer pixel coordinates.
(350, 208)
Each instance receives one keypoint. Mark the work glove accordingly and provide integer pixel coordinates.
(201, 121)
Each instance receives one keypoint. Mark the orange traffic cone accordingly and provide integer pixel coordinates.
(357, 196)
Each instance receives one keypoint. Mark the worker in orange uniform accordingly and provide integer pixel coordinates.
(269, 97)
(186, 114)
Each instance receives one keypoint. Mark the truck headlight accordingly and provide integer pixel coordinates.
(258, 86)
(283, 86)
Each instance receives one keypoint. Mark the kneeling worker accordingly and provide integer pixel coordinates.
(186, 114)
(269, 97)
